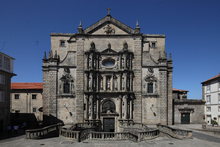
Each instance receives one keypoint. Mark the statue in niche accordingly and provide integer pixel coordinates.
(108, 83)
(122, 62)
(90, 62)
(101, 83)
(123, 83)
(115, 83)
(125, 46)
(90, 81)
(92, 46)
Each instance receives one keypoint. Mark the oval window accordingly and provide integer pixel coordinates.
(108, 62)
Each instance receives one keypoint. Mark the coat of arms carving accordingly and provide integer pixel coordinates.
(109, 30)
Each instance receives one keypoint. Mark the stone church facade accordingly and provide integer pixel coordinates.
(110, 73)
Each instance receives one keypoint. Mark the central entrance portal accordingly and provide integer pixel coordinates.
(109, 124)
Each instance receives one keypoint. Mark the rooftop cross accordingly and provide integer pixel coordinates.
(108, 10)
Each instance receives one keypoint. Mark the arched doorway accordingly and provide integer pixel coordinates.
(108, 113)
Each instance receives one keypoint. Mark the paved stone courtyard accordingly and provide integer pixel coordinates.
(200, 139)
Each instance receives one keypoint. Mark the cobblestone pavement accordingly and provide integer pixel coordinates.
(200, 139)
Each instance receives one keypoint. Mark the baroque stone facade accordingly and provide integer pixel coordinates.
(108, 72)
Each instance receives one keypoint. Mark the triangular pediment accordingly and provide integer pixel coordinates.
(109, 26)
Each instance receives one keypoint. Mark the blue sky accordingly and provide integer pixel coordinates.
(192, 29)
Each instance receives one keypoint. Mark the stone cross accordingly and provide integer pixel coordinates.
(108, 10)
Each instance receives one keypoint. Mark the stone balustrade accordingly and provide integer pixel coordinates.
(43, 132)
(148, 134)
(175, 133)
(74, 135)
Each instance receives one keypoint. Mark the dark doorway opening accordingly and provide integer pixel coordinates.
(108, 124)
(185, 118)
(1, 125)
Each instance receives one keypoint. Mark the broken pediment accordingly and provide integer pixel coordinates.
(109, 51)
(109, 26)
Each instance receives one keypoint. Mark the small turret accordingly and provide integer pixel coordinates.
(80, 28)
(137, 28)
(45, 56)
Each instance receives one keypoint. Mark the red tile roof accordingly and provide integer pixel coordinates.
(26, 85)
(179, 90)
(213, 78)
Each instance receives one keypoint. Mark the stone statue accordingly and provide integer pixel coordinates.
(122, 62)
(125, 46)
(101, 83)
(108, 84)
(90, 82)
(115, 83)
(123, 83)
(90, 62)
(92, 46)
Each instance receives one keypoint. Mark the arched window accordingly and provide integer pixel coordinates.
(66, 87)
(150, 87)
(108, 107)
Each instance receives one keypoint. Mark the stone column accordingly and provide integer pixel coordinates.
(87, 107)
(125, 106)
(131, 111)
(91, 107)
(120, 107)
(97, 111)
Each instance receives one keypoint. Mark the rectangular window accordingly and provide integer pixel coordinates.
(153, 44)
(66, 87)
(208, 88)
(208, 109)
(218, 85)
(62, 43)
(218, 108)
(34, 109)
(34, 96)
(208, 99)
(17, 96)
(150, 87)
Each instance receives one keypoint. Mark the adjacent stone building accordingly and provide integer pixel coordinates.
(6, 73)
(211, 94)
(27, 98)
(187, 111)
(108, 72)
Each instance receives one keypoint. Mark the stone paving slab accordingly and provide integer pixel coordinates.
(158, 142)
